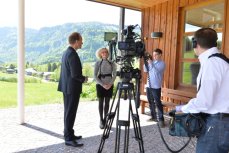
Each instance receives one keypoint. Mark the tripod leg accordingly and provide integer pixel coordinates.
(117, 139)
(125, 124)
(107, 129)
(118, 125)
(137, 131)
(126, 143)
(137, 128)
(109, 121)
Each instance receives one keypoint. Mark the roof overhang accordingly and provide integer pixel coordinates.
(131, 4)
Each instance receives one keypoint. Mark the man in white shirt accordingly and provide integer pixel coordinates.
(212, 99)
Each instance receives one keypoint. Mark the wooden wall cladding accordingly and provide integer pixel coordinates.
(164, 17)
(226, 30)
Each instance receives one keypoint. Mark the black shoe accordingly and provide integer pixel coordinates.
(73, 144)
(152, 120)
(77, 137)
(101, 125)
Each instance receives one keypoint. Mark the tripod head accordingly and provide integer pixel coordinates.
(127, 74)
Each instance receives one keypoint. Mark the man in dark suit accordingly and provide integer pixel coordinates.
(70, 84)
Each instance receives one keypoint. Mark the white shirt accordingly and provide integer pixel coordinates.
(213, 96)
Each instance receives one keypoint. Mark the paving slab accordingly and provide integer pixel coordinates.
(43, 131)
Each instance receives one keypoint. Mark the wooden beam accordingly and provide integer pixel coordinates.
(131, 4)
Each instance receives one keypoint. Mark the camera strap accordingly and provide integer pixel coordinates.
(220, 55)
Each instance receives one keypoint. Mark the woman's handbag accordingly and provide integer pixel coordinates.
(185, 124)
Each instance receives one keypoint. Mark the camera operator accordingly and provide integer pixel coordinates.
(212, 99)
(155, 69)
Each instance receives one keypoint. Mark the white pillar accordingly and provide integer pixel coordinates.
(20, 59)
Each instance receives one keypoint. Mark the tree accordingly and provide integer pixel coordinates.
(12, 66)
(54, 67)
(49, 67)
(56, 76)
(27, 65)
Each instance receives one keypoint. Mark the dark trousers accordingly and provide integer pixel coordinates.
(103, 107)
(154, 98)
(215, 136)
(71, 102)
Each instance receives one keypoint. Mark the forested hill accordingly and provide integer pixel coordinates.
(47, 44)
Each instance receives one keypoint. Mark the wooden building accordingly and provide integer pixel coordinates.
(178, 20)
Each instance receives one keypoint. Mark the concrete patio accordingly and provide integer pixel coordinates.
(43, 132)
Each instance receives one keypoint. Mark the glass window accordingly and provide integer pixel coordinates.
(132, 17)
(212, 16)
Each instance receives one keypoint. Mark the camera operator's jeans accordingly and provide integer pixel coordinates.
(214, 137)
(154, 98)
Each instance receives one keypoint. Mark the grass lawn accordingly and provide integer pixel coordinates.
(39, 93)
(8, 94)
(35, 93)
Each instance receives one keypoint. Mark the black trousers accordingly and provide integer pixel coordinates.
(71, 102)
(104, 103)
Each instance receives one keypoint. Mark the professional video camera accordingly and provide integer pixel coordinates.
(131, 47)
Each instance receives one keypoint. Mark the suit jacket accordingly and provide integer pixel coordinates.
(71, 77)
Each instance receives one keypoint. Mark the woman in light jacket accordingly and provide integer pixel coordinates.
(104, 74)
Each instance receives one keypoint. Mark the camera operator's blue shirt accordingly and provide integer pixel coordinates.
(156, 71)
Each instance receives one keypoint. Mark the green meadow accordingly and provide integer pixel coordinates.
(35, 94)
(39, 93)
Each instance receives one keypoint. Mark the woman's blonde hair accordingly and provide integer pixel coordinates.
(98, 52)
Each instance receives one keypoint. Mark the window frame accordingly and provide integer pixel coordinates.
(182, 34)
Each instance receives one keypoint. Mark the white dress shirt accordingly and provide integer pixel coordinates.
(213, 96)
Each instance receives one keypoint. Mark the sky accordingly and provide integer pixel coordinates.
(45, 13)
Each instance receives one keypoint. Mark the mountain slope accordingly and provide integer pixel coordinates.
(47, 44)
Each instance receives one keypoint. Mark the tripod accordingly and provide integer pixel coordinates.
(128, 89)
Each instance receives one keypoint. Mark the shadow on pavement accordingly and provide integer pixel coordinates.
(151, 138)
